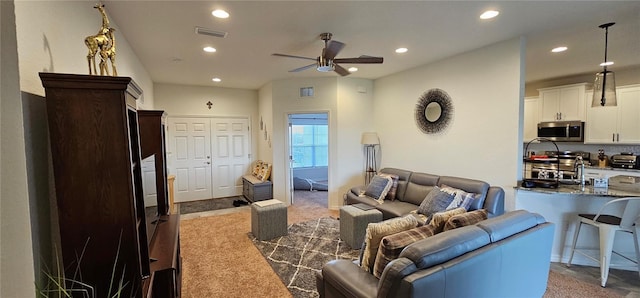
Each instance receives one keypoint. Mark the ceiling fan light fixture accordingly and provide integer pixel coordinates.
(604, 87)
(325, 65)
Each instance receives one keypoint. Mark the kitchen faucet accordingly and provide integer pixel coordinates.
(580, 162)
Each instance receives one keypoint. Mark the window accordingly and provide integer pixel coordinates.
(310, 145)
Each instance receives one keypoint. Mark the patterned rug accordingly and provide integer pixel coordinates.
(297, 256)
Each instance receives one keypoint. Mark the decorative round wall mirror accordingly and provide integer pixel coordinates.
(433, 111)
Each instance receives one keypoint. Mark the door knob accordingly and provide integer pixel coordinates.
(208, 162)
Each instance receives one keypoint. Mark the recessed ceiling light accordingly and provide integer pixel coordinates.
(353, 69)
(216, 80)
(401, 50)
(219, 13)
(606, 63)
(209, 49)
(559, 49)
(489, 14)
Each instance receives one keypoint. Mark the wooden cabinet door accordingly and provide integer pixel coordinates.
(549, 102)
(571, 103)
(531, 119)
(628, 115)
(601, 124)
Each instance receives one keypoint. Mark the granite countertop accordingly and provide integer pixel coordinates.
(630, 171)
(578, 190)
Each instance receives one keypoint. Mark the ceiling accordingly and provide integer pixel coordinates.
(162, 34)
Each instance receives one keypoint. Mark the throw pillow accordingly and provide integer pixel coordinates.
(256, 168)
(391, 246)
(265, 172)
(435, 201)
(465, 219)
(391, 195)
(439, 219)
(461, 198)
(378, 188)
(376, 231)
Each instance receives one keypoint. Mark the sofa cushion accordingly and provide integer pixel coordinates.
(418, 186)
(376, 231)
(435, 201)
(378, 188)
(391, 246)
(442, 247)
(509, 224)
(391, 209)
(391, 194)
(465, 219)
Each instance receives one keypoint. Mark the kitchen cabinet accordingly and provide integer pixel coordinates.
(615, 125)
(562, 103)
(531, 118)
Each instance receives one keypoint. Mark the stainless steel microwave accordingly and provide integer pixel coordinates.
(562, 131)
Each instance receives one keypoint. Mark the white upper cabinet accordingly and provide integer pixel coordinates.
(615, 125)
(562, 103)
(531, 118)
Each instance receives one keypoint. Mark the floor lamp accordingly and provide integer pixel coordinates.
(370, 141)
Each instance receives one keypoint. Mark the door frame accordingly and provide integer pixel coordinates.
(249, 119)
(287, 154)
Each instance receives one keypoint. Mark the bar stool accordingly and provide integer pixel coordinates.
(607, 226)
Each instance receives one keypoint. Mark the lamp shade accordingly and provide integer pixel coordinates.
(370, 138)
(604, 89)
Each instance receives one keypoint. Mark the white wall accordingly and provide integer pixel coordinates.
(355, 116)
(16, 257)
(181, 100)
(265, 112)
(349, 112)
(51, 39)
(482, 141)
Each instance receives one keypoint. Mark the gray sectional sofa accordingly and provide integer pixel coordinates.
(503, 256)
(413, 187)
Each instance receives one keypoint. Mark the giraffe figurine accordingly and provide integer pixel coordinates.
(108, 52)
(99, 41)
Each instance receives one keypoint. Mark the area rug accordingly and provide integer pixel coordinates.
(209, 205)
(297, 256)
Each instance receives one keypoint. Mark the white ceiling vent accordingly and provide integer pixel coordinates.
(210, 32)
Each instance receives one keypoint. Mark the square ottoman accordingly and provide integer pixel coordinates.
(268, 219)
(353, 224)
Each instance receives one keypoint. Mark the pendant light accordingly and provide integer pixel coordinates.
(604, 88)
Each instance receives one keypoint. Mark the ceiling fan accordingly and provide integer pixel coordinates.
(328, 61)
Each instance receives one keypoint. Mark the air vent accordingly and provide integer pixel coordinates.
(210, 32)
(306, 91)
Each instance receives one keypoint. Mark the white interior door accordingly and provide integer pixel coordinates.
(189, 144)
(231, 152)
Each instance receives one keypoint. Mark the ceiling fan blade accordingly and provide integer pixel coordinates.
(303, 68)
(333, 48)
(340, 70)
(361, 60)
(292, 56)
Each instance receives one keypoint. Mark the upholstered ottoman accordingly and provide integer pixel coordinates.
(353, 224)
(268, 219)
